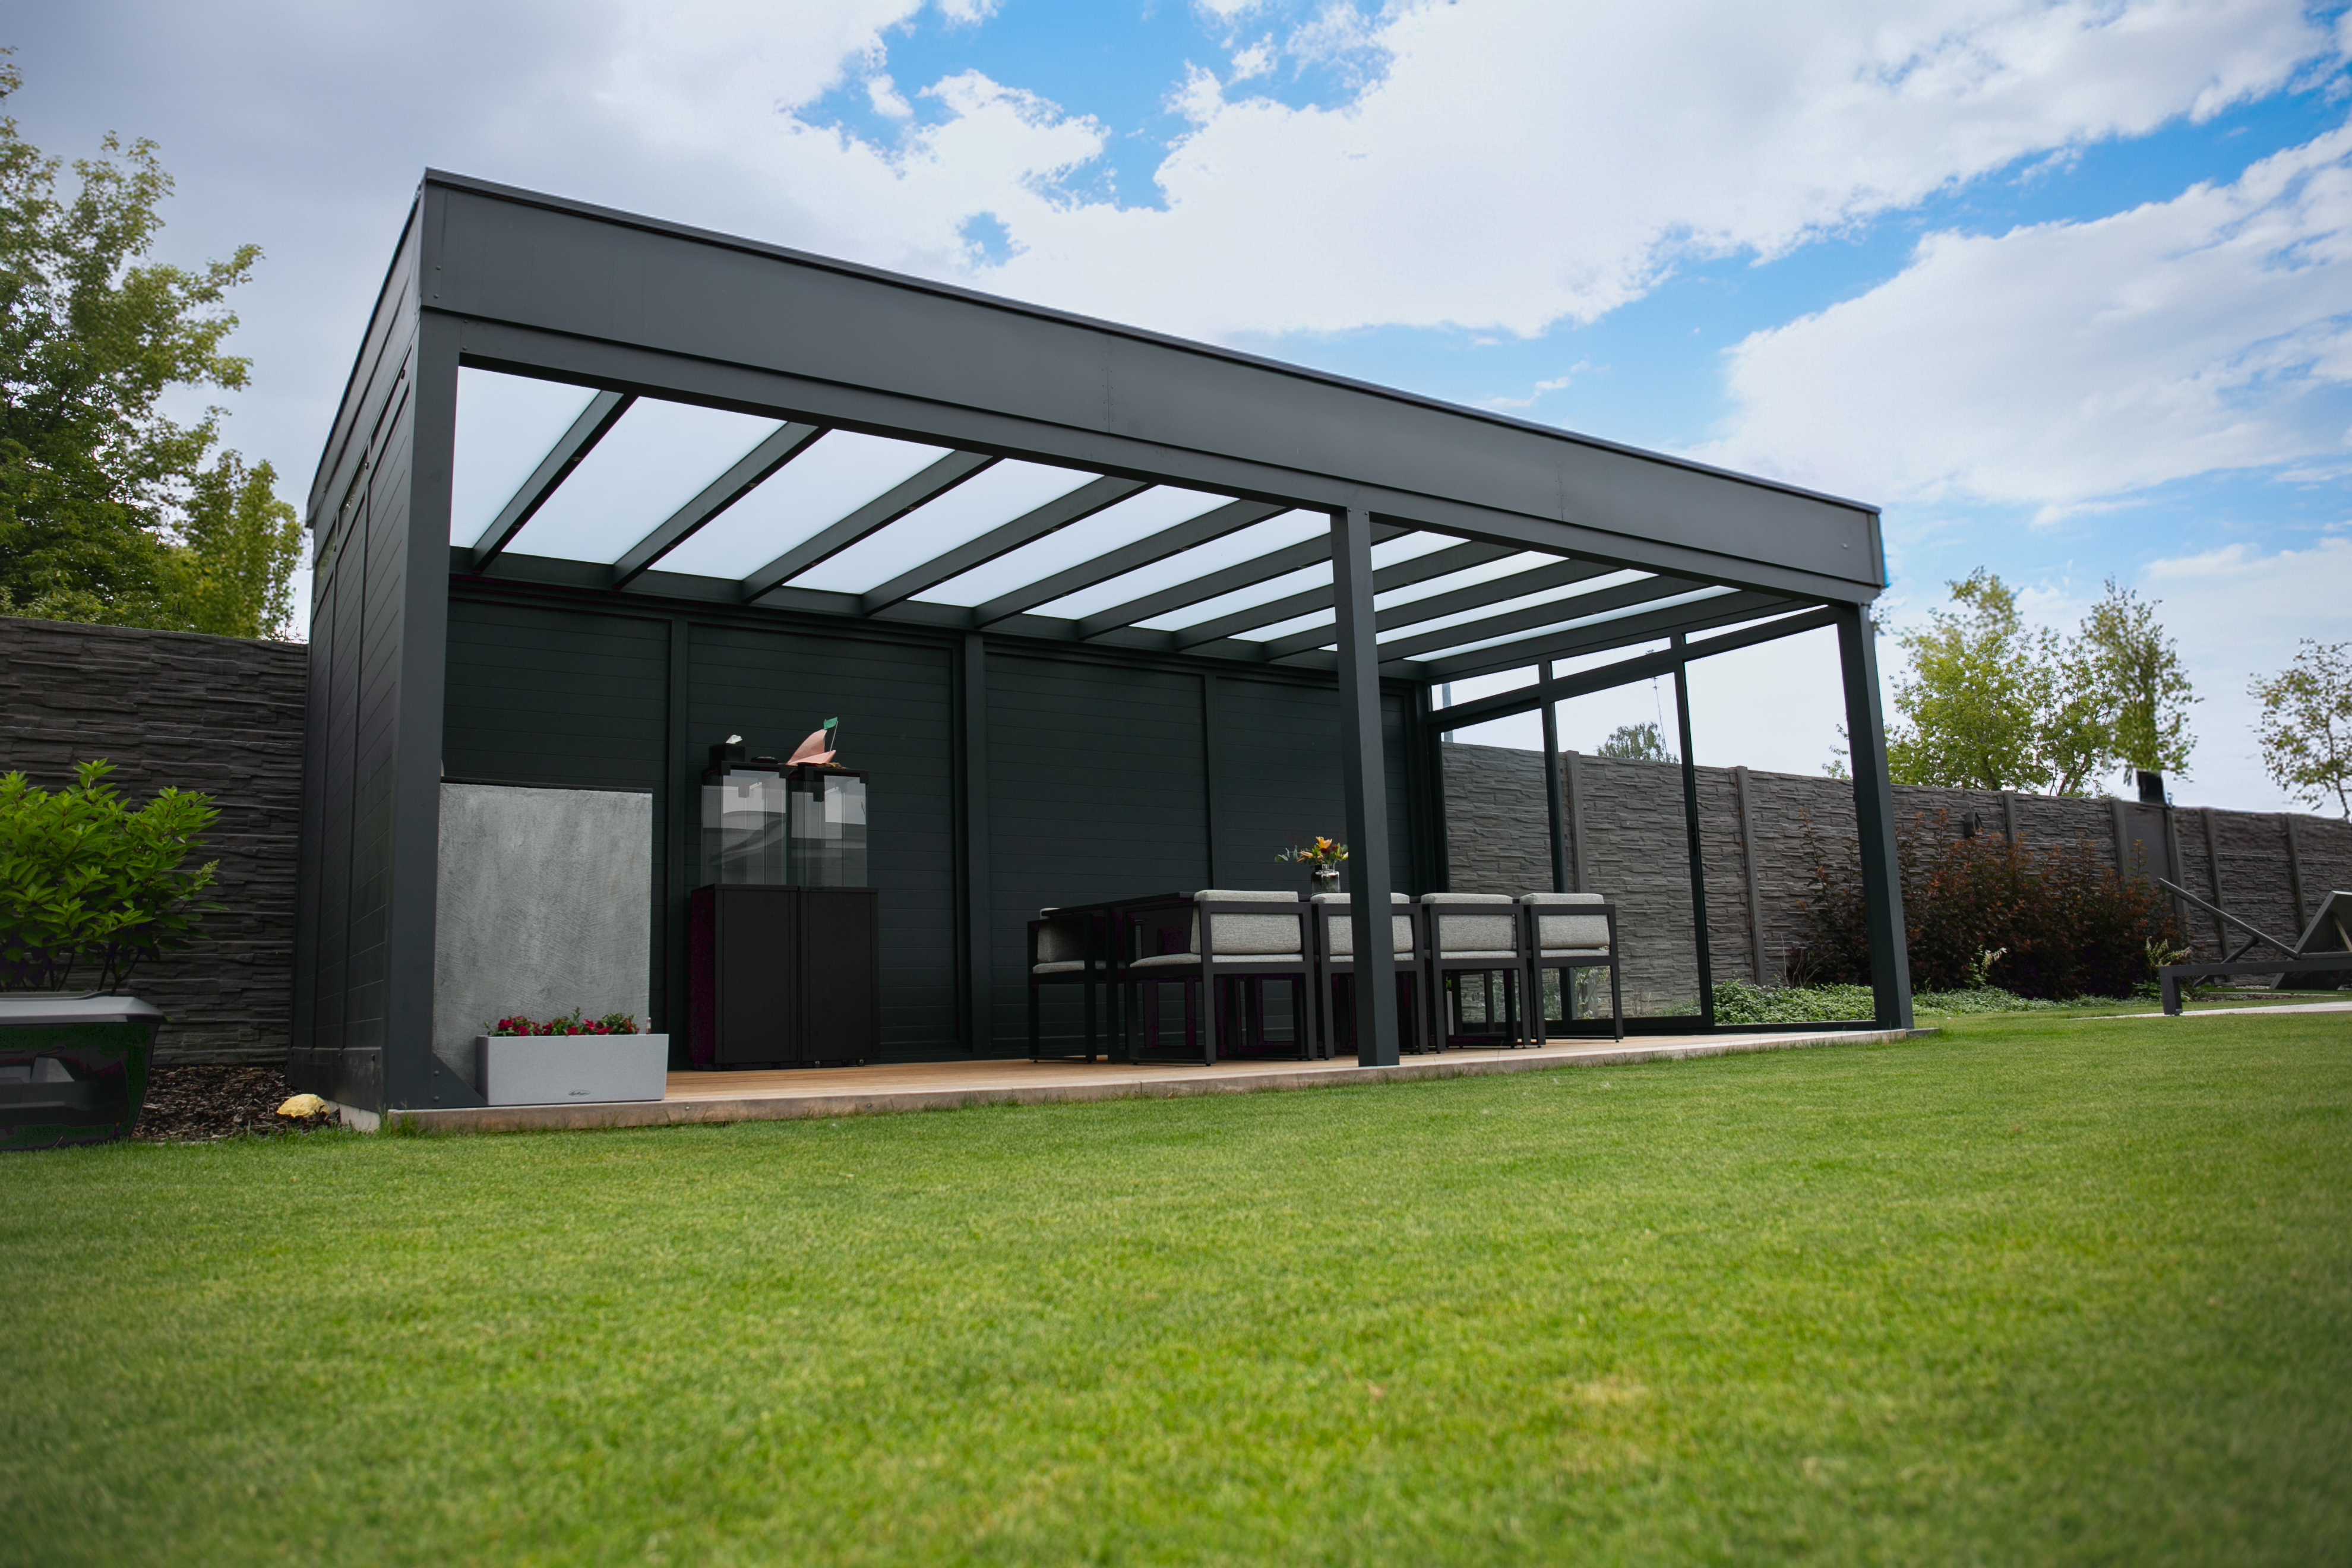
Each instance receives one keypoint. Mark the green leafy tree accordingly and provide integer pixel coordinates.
(1975, 705)
(2125, 675)
(2306, 727)
(1993, 703)
(1637, 743)
(108, 509)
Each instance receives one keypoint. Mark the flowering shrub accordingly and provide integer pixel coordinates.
(571, 1022)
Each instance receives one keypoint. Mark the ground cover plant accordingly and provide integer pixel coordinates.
(2047, 1288)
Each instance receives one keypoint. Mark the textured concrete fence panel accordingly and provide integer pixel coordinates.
(1761, 835)
(217, 714)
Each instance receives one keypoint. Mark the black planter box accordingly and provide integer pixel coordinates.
(73, 1069)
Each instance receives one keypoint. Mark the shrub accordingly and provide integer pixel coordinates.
(2071, 926)
(86, 881)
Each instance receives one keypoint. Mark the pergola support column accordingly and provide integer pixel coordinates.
(1874, 811)
(1364, 775)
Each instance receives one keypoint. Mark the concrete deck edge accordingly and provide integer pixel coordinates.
(797, 1107)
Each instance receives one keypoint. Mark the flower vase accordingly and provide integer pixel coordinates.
(1326, 879)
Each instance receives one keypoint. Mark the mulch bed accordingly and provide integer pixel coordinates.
(197, 1104)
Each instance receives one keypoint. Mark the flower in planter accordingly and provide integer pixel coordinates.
(569, 1023)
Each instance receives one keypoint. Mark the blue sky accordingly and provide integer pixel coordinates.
(2064, 285)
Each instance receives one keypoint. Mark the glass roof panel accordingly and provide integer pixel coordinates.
(1566, 597)
(833, 476)
(505, 426)
(1284, 527)
(1569, 624)
(992, 497)
(1388, 553)
(1137, 517)
(1469, 577)
(658, 457)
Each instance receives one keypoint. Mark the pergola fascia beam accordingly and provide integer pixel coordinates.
(520, 349)
(603, 412)
(876, 515)
(1231, 518)
(1533, 580)
(1212, 584)
(1550, 613)
(1307, 601)
(1560, 689)
(1702, 616)
(1035, 524)
(753, 469)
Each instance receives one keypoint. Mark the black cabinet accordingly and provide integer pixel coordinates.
(783, 976)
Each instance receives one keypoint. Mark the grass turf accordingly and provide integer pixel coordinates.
(2040, 1289)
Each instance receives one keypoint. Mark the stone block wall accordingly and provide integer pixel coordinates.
(1627, 837)
(222, 715)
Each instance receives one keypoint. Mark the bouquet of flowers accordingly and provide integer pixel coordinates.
(571, 1022)
(1323, 853)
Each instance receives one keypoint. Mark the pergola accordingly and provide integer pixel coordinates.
(733, 428)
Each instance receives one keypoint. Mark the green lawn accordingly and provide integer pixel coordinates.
(2042, 1288)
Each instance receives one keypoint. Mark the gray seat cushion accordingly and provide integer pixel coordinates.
(1058, 966)
(1243, 935)
(1466, 924)
(1193, 960)
(1564, 931)
(1343, 929)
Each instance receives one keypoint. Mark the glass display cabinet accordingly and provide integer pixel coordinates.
(784, 934)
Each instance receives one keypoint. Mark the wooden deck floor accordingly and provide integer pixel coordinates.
(928, 1086)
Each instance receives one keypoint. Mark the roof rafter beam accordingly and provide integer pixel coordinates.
(1055, 514)
(1231, 518)
(748, 474)
(1231, 580)
(1534, 617)
(1306, 602)
(1641, 667)
(876, 515)
(603, 412)
(1534, 580)
(1745, 605)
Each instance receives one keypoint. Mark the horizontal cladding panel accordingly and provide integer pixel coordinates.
(1279, 780)
(572, 272)
(894, 703)
(538, 696)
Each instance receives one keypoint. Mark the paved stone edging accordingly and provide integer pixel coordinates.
(794, 1106)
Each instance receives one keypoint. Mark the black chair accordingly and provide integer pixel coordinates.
(1475, 934)
(1335, 957)
(1561, 933)
(1074, 947)
(1221, 947)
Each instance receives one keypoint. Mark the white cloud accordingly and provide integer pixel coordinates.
(1523, 162)
(2066, 362)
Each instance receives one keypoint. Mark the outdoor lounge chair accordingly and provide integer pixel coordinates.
(1234, 942)
(1073, 947)
(1335, 956)
(1566, 933)
(2320, 960)
(1475, 934)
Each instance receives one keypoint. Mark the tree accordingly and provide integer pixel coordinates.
(1975, 705)
(2305, 728)
(108, 507)
(2125, 674)
(1637, 743)
(1991, 703)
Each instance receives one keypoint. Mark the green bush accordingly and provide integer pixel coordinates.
(2060, 922)
(86, 881)
(1737, 1002)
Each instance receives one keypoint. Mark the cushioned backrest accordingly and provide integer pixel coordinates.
(1343, 929)
(1471, 923)
(1564, 931)
(1062, 941)
(1245, 935)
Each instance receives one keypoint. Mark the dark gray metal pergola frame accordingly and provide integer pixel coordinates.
(490, 276)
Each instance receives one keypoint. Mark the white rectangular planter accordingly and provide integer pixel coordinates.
(570, 1069)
